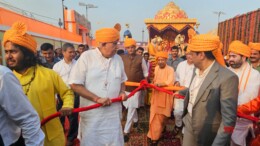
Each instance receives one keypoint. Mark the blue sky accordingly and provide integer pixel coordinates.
(134, 12)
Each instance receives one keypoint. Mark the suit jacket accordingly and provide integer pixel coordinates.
(215, 108)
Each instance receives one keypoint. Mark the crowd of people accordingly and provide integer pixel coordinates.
(42, 83)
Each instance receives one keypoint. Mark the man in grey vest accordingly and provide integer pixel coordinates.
(136, 70)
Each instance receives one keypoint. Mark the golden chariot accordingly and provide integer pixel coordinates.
(169, 27)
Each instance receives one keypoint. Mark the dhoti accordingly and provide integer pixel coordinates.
(156, 126)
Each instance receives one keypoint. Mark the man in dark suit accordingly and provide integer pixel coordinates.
(211, 100)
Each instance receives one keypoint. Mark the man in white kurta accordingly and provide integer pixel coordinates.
(99, 76)
(249, 84)
(184, 74)
(63, 68)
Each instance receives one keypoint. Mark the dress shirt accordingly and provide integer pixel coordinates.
(196, 84)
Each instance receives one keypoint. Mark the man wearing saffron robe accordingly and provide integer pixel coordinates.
(210, 103)
(39, 84)
(248, 87)
(98, 76)
(161, 103)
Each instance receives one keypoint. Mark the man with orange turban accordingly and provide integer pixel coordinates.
(136, 70)
(248, 86)
(161, 103)
(98, 76)
(255, 55)
(39, 84)
(211, 100)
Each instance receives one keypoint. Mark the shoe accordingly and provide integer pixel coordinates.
(135, 124)
(126, 137)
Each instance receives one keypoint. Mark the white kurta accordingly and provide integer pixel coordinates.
(133, 102)
(101, 126)
(64, 69)
(248, 90)
(183, 74)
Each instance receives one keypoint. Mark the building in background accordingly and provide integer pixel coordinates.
(76, 30)
(78, 24)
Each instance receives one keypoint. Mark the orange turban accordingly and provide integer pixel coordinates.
(162, 54)
(129, 42)
(207, 42)
(107, 35)
(17, 34)
(254, 46)
(239, 48)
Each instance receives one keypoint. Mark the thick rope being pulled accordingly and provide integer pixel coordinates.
(143, 84)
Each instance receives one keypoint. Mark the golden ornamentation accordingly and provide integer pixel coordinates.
(171, 11)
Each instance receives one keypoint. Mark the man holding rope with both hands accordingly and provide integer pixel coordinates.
(97, 77)
(248, 87)
(39, 84)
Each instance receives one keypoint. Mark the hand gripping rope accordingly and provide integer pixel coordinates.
(142, 85)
